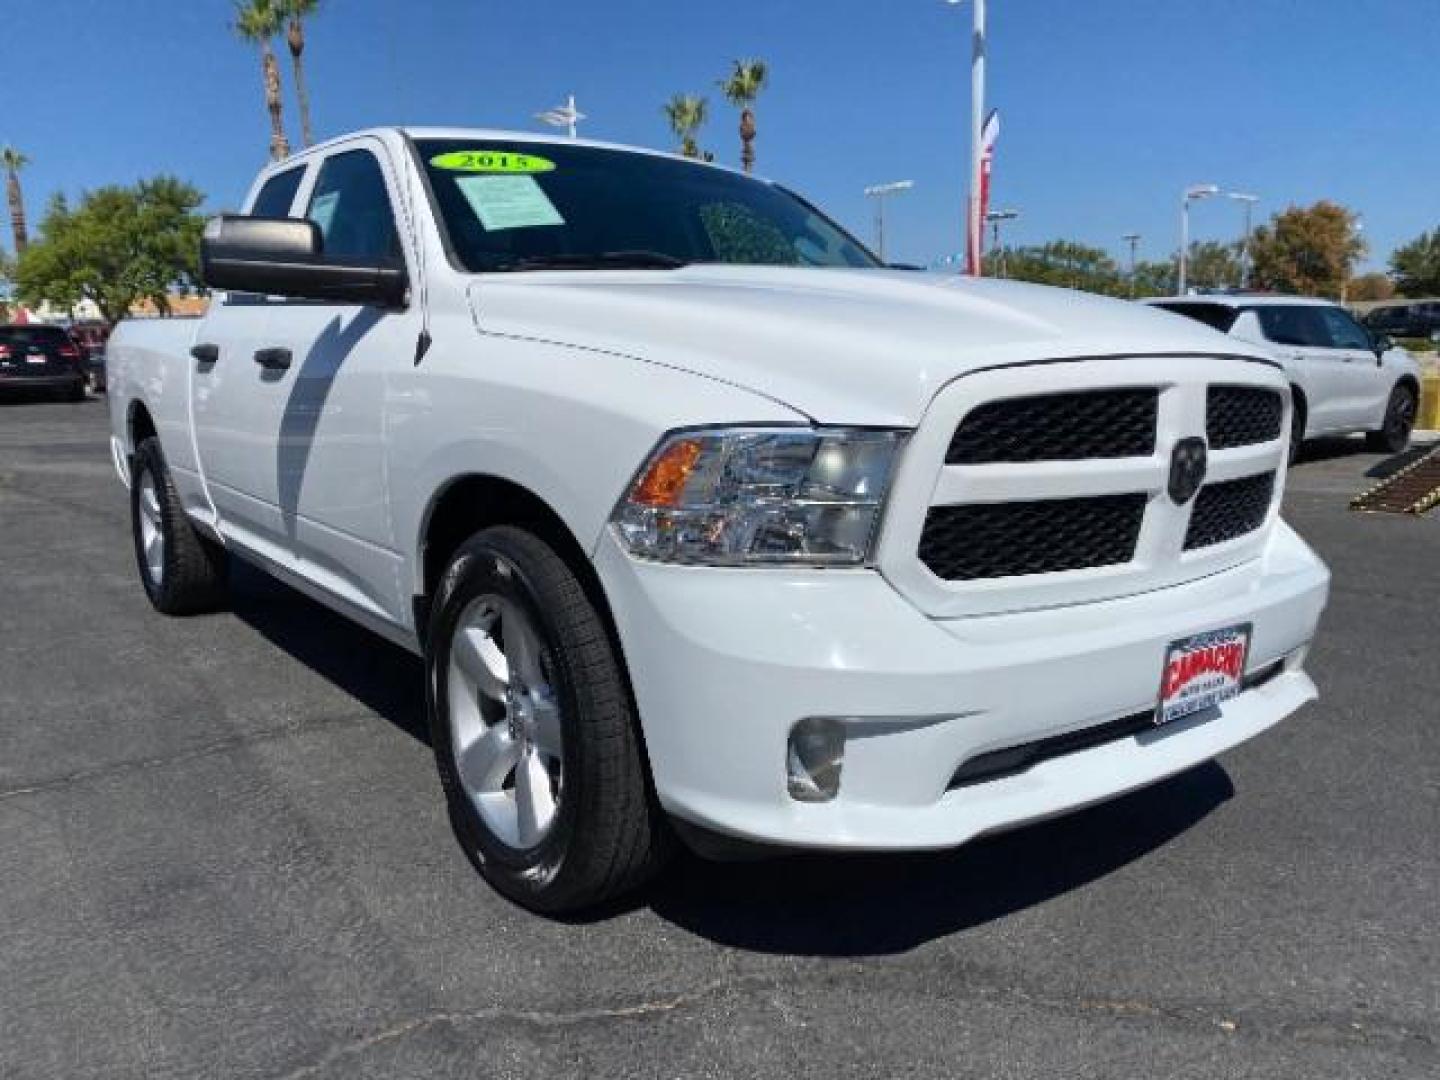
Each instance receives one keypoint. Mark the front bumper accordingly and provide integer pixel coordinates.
(725, 662)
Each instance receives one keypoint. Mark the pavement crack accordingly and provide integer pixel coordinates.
(209, 749)
(534, 1018)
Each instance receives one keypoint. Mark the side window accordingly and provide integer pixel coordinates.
(352, 207)
(1344, 332)
(1293, 325)
(277, 194)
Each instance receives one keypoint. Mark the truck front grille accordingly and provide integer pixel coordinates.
(993, 540)
(1058, 427)
(1242, 416)
(1229, 510)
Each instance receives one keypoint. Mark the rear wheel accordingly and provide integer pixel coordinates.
(183, 573)
(1394, 436)
(534, 732)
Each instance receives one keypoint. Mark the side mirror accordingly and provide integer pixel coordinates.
(1383, 344)
(286, 257)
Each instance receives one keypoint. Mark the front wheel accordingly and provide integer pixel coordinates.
(1394, 435)
(534, 732)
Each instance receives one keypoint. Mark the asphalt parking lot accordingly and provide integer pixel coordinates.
(225, 855)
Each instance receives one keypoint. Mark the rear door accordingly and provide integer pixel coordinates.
(1365, 386)
(236, 402)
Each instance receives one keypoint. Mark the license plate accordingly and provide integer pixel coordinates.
(1201, 672)
(40, 359)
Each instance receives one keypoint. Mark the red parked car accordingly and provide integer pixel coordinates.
(42, 358)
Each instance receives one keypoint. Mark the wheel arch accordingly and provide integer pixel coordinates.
(1300, 407)
(139, 424)
(466, 504)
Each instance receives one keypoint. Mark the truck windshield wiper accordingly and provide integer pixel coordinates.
(601, 260)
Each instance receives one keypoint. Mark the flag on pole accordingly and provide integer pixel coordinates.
(980, 202)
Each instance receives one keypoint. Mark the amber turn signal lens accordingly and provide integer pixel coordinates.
(664, 482)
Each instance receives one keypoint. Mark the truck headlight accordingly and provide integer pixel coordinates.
(752, 496)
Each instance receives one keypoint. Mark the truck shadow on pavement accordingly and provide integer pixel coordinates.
(382, 677)
(808, 905)
(875, 905)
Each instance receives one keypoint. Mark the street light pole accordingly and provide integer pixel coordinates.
(1249, 202)
(1191, 194)
(1133, 239)
(974, 227)
(995, 217)
(564, 116)
(880, 192)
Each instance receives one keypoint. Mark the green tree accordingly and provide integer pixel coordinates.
(1416, 266)
(296, 12)
(742, 89)
(1308, 251)
(1375, 286)
(120, 245)
(1213, 265)
(1155, 277)
(1066, 264)
(13, 161)
(258, 21)
(686, 114)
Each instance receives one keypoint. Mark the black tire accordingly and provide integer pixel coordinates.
(192, 573)
(1399, 422)
(77, 392)
(608, 835)
(1297, 428)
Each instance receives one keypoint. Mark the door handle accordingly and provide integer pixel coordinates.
(277, 359)
(205, 355)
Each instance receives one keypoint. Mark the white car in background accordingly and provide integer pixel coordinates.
(1343, 377)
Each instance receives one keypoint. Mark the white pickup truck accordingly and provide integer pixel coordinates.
(705, 522)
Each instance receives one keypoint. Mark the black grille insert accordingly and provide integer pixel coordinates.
(1227, 510)
(1014, 760)
(992, 540)
(1242, 416)
(1058, 427)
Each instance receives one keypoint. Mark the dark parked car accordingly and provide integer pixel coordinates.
(41, 358)
(1406, 320)
(91, 335)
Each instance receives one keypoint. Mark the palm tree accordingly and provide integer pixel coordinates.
(257, 21)
(687, 114)
(13, 161)
(741, 89)
(297, 11)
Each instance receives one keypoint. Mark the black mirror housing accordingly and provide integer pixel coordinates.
(285, 257)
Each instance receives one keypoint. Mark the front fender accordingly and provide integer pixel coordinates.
(569, 425)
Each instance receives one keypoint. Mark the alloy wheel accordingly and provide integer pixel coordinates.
(505, 721)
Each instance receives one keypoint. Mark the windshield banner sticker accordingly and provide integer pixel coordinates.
(509, 202)
(492, 161)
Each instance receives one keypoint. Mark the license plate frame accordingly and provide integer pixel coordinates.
(1202, 671)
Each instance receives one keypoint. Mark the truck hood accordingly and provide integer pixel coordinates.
(862, 347)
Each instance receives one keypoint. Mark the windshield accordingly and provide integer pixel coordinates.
(531, 206)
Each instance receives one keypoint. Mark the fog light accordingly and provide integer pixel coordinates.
(813, 759)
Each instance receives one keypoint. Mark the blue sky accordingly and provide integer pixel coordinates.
(1109, 107)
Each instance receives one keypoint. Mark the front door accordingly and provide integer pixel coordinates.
(331, 482)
